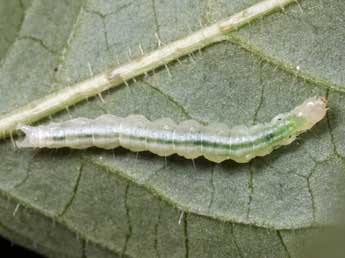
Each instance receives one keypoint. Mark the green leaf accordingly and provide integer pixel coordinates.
(95, 203)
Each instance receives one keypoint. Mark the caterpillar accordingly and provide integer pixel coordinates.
(190, 139)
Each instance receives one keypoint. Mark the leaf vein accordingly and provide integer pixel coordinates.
(74, 193)
(283, 244)
(284, 66)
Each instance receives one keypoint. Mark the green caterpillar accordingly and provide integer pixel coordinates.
(189, 139)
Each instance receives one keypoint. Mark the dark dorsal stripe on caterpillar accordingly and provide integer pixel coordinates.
(189, 139)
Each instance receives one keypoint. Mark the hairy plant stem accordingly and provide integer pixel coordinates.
(68, 96)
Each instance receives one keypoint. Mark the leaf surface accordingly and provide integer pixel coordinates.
(94, 203)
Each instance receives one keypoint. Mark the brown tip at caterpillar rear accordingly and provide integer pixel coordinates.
(31, 139)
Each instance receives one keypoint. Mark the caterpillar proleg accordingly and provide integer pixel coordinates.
(216, 142)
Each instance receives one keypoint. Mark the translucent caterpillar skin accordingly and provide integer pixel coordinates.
(189, 139)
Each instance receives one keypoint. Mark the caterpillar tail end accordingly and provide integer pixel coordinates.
(30, 138)
(313, 110)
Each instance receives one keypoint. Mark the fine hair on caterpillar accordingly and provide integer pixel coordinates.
(190, 139)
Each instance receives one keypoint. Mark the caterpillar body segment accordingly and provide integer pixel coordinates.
(164, 137)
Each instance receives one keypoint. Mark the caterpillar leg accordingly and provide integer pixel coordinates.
(15, 147)
(194, 166)
(165, 162)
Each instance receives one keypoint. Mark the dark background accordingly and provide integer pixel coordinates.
(9, 250)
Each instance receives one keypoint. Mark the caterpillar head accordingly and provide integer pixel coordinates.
(312, 110)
